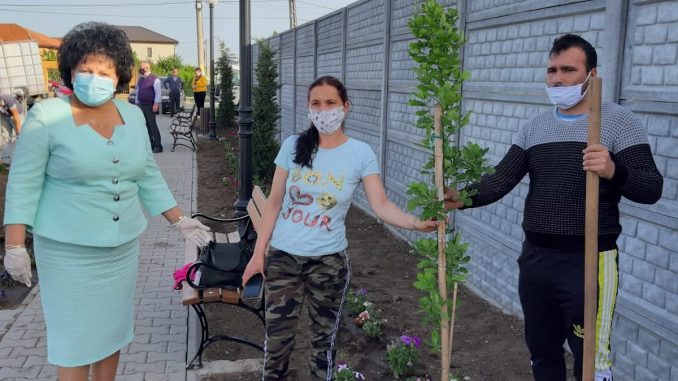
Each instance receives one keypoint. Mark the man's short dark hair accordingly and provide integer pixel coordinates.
(567, 41)
(94, 38)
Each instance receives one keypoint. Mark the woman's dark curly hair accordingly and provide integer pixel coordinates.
(307, 142)
(94, 38)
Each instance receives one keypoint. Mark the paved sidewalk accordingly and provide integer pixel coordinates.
(158, 351)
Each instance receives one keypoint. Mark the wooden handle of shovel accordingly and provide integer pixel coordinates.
(591, 237)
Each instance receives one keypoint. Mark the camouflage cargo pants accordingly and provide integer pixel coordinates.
(290, 279)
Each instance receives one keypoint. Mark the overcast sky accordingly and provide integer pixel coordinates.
(172, 18)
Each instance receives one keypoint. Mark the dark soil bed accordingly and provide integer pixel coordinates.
(488, 345)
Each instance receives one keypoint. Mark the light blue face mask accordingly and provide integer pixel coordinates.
(93, 90)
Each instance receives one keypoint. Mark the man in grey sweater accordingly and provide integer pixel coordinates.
(552, 149)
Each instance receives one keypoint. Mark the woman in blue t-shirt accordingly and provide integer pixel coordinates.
(316, 175)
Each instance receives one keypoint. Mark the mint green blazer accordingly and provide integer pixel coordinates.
(70, 184)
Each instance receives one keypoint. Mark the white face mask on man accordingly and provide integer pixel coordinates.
(327, 122)
(566, 97)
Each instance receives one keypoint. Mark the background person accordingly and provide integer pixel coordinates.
(83, 167)
(316, 176)
(148, 98)
(175, 85)
(11, 118)
(199, 86)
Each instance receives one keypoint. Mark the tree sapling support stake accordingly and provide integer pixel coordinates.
(445, 348)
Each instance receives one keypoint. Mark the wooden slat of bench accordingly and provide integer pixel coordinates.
(219, 294)
(254, 215)
(221, 237)
(259, 198)
(260, 202)
(256, 206)
(233, 237)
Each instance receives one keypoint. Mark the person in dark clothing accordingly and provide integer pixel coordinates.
(552, 149)
(175, 85)
(11, 118)
(148, 99)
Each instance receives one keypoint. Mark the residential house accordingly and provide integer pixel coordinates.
(147, 44)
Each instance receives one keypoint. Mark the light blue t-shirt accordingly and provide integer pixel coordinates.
(311, 221)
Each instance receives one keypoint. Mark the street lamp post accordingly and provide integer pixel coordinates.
(245, 111)
(212, 124)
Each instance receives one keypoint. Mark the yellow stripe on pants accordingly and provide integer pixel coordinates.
(608, 279)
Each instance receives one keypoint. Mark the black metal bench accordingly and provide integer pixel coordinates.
(196, 298)
(182, 129)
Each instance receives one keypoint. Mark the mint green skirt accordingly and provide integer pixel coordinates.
(87, 296)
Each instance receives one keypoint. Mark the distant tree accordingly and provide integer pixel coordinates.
(186, 73)
(266, 112)
(164, 65)
(226, 110)
(48, 55)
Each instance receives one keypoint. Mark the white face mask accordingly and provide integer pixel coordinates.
(566, 97)
(327, 122)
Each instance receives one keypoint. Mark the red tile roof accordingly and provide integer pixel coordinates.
(15, 32)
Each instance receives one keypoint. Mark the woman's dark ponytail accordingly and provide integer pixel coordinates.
(307, 143)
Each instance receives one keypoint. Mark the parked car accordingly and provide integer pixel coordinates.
(132, 95)
(164, 97)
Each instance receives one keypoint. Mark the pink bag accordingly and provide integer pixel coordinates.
(180, 276)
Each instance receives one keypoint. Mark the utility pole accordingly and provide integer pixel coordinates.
(293, 14)
(201, 40)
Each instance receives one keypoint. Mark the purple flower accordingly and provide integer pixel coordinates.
(358, 376)
(341, 366)
(361, 292)
(411, 340)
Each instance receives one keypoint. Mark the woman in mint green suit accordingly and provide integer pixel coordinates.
(82, 168)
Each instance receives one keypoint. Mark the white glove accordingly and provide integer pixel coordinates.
(193, 230)
(18, 264)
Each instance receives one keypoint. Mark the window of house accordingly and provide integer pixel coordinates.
(149, 52)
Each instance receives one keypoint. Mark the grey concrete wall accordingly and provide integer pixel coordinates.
(365, 45)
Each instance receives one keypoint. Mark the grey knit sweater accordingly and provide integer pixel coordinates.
(549, 150)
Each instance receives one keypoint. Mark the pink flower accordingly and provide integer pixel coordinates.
(365, 315)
